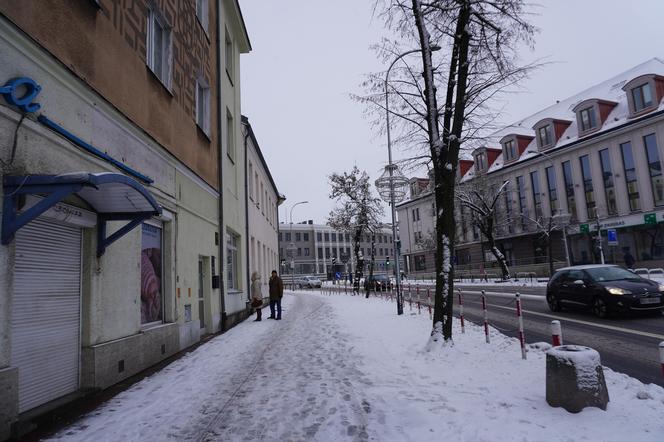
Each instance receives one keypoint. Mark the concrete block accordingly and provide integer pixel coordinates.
(575, 378)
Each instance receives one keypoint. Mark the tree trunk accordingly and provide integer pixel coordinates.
(502, 262)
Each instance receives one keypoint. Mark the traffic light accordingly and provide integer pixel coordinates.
(387, 261)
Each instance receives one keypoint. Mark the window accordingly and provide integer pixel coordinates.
(523, 208)
(630, 176)
(280, 237)
(327, 237)
(380, 238)
(537, 197)
(417, 212)
(327, 252)
(588, 187)
(203, 105)
(229, 56)
(202, 11)
(642, 97)
(508, 209)
(306, 251)
(232, 261)
(588, 119)
(230, 137)
(250, 181)
(545, 135)
(159, 47)
(319, 236)
(569, 189)
(607, 179)
(151, 274)
(553, 193)
(305, 237)
(288, 236)
(420, 262)
(509, 149)
(334, 252)
(480, 162)
(298, 236)
(655, 169)
(347, 237)
(320, 252)
(299, 251)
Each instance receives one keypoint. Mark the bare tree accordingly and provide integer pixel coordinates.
(479, 39)
(358, 211)
(483, 201)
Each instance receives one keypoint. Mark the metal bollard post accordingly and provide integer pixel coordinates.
(556, 333)
(661, 355)
(486, 318)
(419, 308)
(522, 337)
(429, 303)
(463, 324)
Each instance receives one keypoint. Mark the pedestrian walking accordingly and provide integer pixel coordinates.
(256, 295)
(629, 259)
(276, 293)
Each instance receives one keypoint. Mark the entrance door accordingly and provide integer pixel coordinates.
(45, 312)
(201, 293)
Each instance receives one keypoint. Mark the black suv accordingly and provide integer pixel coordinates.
(605, 289)
(381, 283)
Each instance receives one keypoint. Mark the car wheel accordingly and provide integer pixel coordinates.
(554, 304)
(600, 309)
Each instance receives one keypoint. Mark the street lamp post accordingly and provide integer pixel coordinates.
(394, 181)
(291, 246)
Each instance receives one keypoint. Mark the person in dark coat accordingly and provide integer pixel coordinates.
(276, 293)
(629, 260)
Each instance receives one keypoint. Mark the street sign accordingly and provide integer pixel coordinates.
(650, 218)
(584, 228)
(337, 275)
(612, 236)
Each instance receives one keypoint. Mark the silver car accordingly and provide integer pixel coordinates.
(307, 281)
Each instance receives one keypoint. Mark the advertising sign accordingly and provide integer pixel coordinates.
(612, 236)
(151, 276)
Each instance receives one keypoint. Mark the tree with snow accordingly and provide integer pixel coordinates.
(357, 211)
(477, 61)
(482, 199)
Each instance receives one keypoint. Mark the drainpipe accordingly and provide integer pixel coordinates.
(222, 300)
(246, 209)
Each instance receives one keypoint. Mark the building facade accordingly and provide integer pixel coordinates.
(111, 142)
(590, 162)
(318, 249)
(263, 201)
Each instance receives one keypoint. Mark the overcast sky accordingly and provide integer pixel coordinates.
(309, 56)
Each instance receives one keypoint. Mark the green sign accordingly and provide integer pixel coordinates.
(584, 228)
(650, 218)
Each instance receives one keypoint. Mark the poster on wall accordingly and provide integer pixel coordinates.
(151, 301)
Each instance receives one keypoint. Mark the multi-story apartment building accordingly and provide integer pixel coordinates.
(315, 245)
(263, 200)
(593, 159)
(115, 145)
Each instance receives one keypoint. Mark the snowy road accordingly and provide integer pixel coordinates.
(346, 368)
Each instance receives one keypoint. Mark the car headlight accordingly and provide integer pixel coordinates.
(661, 288)
(618, 291)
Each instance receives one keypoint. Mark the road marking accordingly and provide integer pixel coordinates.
(591, 324)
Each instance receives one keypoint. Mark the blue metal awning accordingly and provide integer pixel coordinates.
(115, 197)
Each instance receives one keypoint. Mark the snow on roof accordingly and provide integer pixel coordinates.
(608, 90)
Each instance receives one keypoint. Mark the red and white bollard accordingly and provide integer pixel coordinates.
(556, 334)
(486, 318)
(661, 355)
(463, 324)
(522, 337)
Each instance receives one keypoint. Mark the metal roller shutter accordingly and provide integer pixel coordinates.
(45, 317)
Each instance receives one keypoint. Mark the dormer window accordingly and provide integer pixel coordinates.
(588, 119)
(480, 162)
(509, 150)
(642, 97)
(545, 136)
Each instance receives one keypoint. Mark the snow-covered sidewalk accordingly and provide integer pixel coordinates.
(346, 368)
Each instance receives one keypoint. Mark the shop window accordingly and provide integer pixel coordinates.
(159, 47)
(568, 181)
(630, 176)
(588, 187)
(654, 169)
(232, 262)
(152, 297)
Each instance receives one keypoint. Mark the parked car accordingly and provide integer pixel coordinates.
(379, 282)
(307, 281)
(605, 289)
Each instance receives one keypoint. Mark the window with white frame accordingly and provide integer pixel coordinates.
(203, 105)
(509, 149)
(230, 137)
(588, 119)
(232, 261)
(642, 96)
(202, 13)
(545, 135)
(159, 47)
(229, 56)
